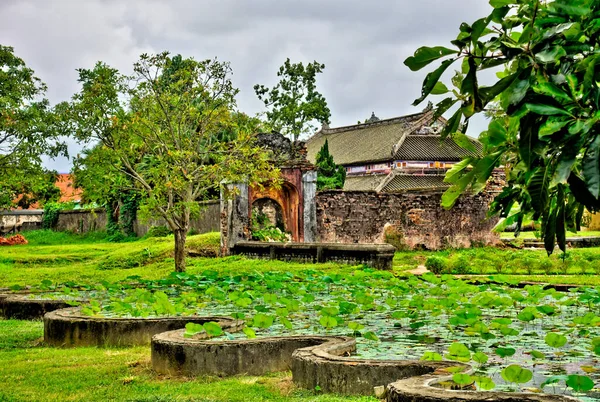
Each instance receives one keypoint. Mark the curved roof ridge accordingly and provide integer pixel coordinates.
(381, 122)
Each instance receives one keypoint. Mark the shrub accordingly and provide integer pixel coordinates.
(159, 231)
(436, 264)
(460, 264)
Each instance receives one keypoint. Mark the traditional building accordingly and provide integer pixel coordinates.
(392, 155)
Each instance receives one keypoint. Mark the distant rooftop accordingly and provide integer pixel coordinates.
(413, 138)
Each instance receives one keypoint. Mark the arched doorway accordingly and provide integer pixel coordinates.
(285, 201)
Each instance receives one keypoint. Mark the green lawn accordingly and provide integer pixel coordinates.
(532, 235)
(31, 371)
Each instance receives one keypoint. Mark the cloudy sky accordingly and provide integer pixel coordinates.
(362, 43)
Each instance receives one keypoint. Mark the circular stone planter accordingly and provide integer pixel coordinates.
(422, 389)
(26, 308)
(68, 327)
(314, 361)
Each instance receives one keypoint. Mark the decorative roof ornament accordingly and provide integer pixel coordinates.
(428, 108)
(373, 118)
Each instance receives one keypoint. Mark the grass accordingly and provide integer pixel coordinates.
(533, 235)
(30, 371)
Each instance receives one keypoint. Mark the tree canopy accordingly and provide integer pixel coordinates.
(27, 132)
(173, 130)
(329, 175)
(544, 129)
(294, 103)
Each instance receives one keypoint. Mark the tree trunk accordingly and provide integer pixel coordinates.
(180, 236)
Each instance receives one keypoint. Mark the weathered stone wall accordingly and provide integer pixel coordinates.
(208, 221)
(20, 221)
(86, 220)
(411, 219)
(81, 220)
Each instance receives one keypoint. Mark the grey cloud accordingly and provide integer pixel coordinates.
(362, 44)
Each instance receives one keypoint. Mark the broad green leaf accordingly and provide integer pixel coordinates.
(484, 383)
(452, 125)
(546, 110)
(537, 355)
(526, 316)
(552, 90)
(432, 79)
(591, 167)
(489, 93)
(212, 329)
(370, 335)
(328, 321)
(463, 141)
(431, 356)
(552, 55)
(425, 55)
(502, 3)
(191, 329)
(538, 189)
(580, 383)
(462, 379)
(439, 89)
(250, 334)
(261, 320)
(458, 351)
(505, 352)
(553, 380)
(451, 194)
(454, 173)
(555, 340)
(551, 126)
(480, 357)
(516, 374)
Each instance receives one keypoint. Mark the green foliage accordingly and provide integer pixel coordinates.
(436, 264)
(555, 340)
(52, 211)
(516, 374)
(28, 130)
(295, 102)
(171, 131)
(329, 175)
(545, 110)
(158, 231)
(580, 383)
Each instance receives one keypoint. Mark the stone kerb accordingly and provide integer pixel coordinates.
(327, 366)
(422, 389)
(174, 354)
(321, 361)
(20, 307)
(69, 328)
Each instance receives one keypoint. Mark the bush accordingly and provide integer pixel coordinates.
(460, 264)
(436, 264)
(158, 231)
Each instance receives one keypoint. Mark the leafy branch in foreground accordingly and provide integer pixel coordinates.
(544, 109)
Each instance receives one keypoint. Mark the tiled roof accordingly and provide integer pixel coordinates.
(401, 138)
(431, 148)
(364, 182)
(368, 142)
(406, 182)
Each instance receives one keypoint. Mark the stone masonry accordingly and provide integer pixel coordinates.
(411, 219)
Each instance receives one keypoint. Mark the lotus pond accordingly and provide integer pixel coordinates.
(529, 339)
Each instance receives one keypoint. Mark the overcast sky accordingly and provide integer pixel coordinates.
(362, 43)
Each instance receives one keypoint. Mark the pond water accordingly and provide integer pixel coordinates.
(553, 335)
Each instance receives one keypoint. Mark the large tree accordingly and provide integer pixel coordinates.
(27, 131)
(294, 103)
(544, 129)
(171, 128)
